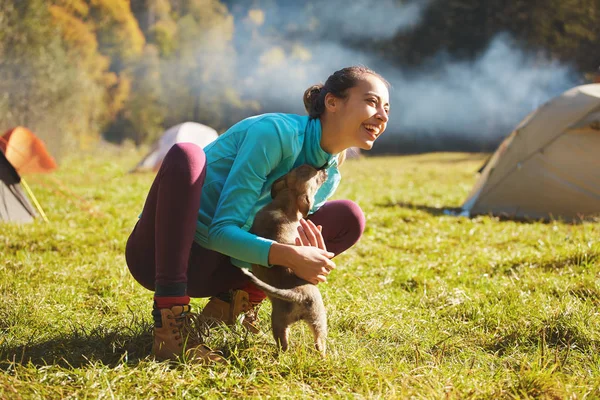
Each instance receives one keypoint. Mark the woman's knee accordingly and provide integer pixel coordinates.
(353, 217)
(344, 220)
(186, 160)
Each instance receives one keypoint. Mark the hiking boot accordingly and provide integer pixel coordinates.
(226, 308)
(181, 335)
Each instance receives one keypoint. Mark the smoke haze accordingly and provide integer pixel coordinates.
(482, 99)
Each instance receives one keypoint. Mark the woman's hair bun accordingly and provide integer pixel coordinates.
(310, 97)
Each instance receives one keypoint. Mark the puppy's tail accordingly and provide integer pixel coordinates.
(282, 294)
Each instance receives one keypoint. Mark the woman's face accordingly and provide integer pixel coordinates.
(363, 114)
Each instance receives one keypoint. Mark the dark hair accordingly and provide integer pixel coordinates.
(337, 84)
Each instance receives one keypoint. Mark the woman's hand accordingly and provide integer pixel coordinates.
(310, 263)
(310, 234)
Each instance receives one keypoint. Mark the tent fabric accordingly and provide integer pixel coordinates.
(548, 167)
(14, 205)
(192, 132)
(26, 152)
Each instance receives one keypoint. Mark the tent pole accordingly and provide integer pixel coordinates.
(37, 204)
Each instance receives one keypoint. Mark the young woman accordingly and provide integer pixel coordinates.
(192, 236)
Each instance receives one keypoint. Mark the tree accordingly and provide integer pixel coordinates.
(42, 87)
(142, 116)
(117, 30)
(198, 79)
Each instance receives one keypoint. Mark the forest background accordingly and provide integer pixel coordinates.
(463, 72)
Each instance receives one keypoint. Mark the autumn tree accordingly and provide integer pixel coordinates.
(42, 83)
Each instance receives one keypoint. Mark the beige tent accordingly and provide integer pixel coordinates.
(191, 132)
(549, 166)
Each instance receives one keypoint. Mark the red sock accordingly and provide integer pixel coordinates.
(170, 301)
(255, 295)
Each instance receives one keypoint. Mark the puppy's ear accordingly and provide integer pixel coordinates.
(304, 204)
(278, 186)
(322, 177)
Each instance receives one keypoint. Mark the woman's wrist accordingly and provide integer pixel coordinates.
(279, 254)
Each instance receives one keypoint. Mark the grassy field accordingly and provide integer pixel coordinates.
(425, 306)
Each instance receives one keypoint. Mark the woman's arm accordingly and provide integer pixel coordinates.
(259, 149)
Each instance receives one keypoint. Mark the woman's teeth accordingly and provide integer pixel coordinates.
(372, 128)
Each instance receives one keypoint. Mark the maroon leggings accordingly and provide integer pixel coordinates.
(161, 249)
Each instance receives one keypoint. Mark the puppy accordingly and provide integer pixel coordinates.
(293, 299)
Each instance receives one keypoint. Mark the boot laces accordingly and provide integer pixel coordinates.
(191, 327)
(251, 312)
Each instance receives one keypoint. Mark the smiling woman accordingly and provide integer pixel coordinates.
(192, 236)
(353, 106)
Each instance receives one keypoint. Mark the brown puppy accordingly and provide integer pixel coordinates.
(293, 299)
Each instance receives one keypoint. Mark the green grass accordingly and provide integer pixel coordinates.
(424, 306)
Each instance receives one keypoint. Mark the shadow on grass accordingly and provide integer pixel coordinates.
(551, 264)
(108, 346)
(435, 211)
(555, 332)
(454, 211)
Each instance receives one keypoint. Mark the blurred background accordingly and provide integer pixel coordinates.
(463, 72)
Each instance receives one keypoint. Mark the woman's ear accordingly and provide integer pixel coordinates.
(331, 102)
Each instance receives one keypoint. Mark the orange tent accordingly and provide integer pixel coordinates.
(26, 152)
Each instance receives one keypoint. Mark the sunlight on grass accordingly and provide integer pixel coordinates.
(425, 306)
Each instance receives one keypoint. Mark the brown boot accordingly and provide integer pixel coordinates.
(227, 310)
(181, 335)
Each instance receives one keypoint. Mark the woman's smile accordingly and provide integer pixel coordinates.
(372, 130)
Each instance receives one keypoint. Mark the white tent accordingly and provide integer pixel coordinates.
(549, 166)
(191, 132)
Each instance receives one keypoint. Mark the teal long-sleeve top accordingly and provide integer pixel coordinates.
(241, 166)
